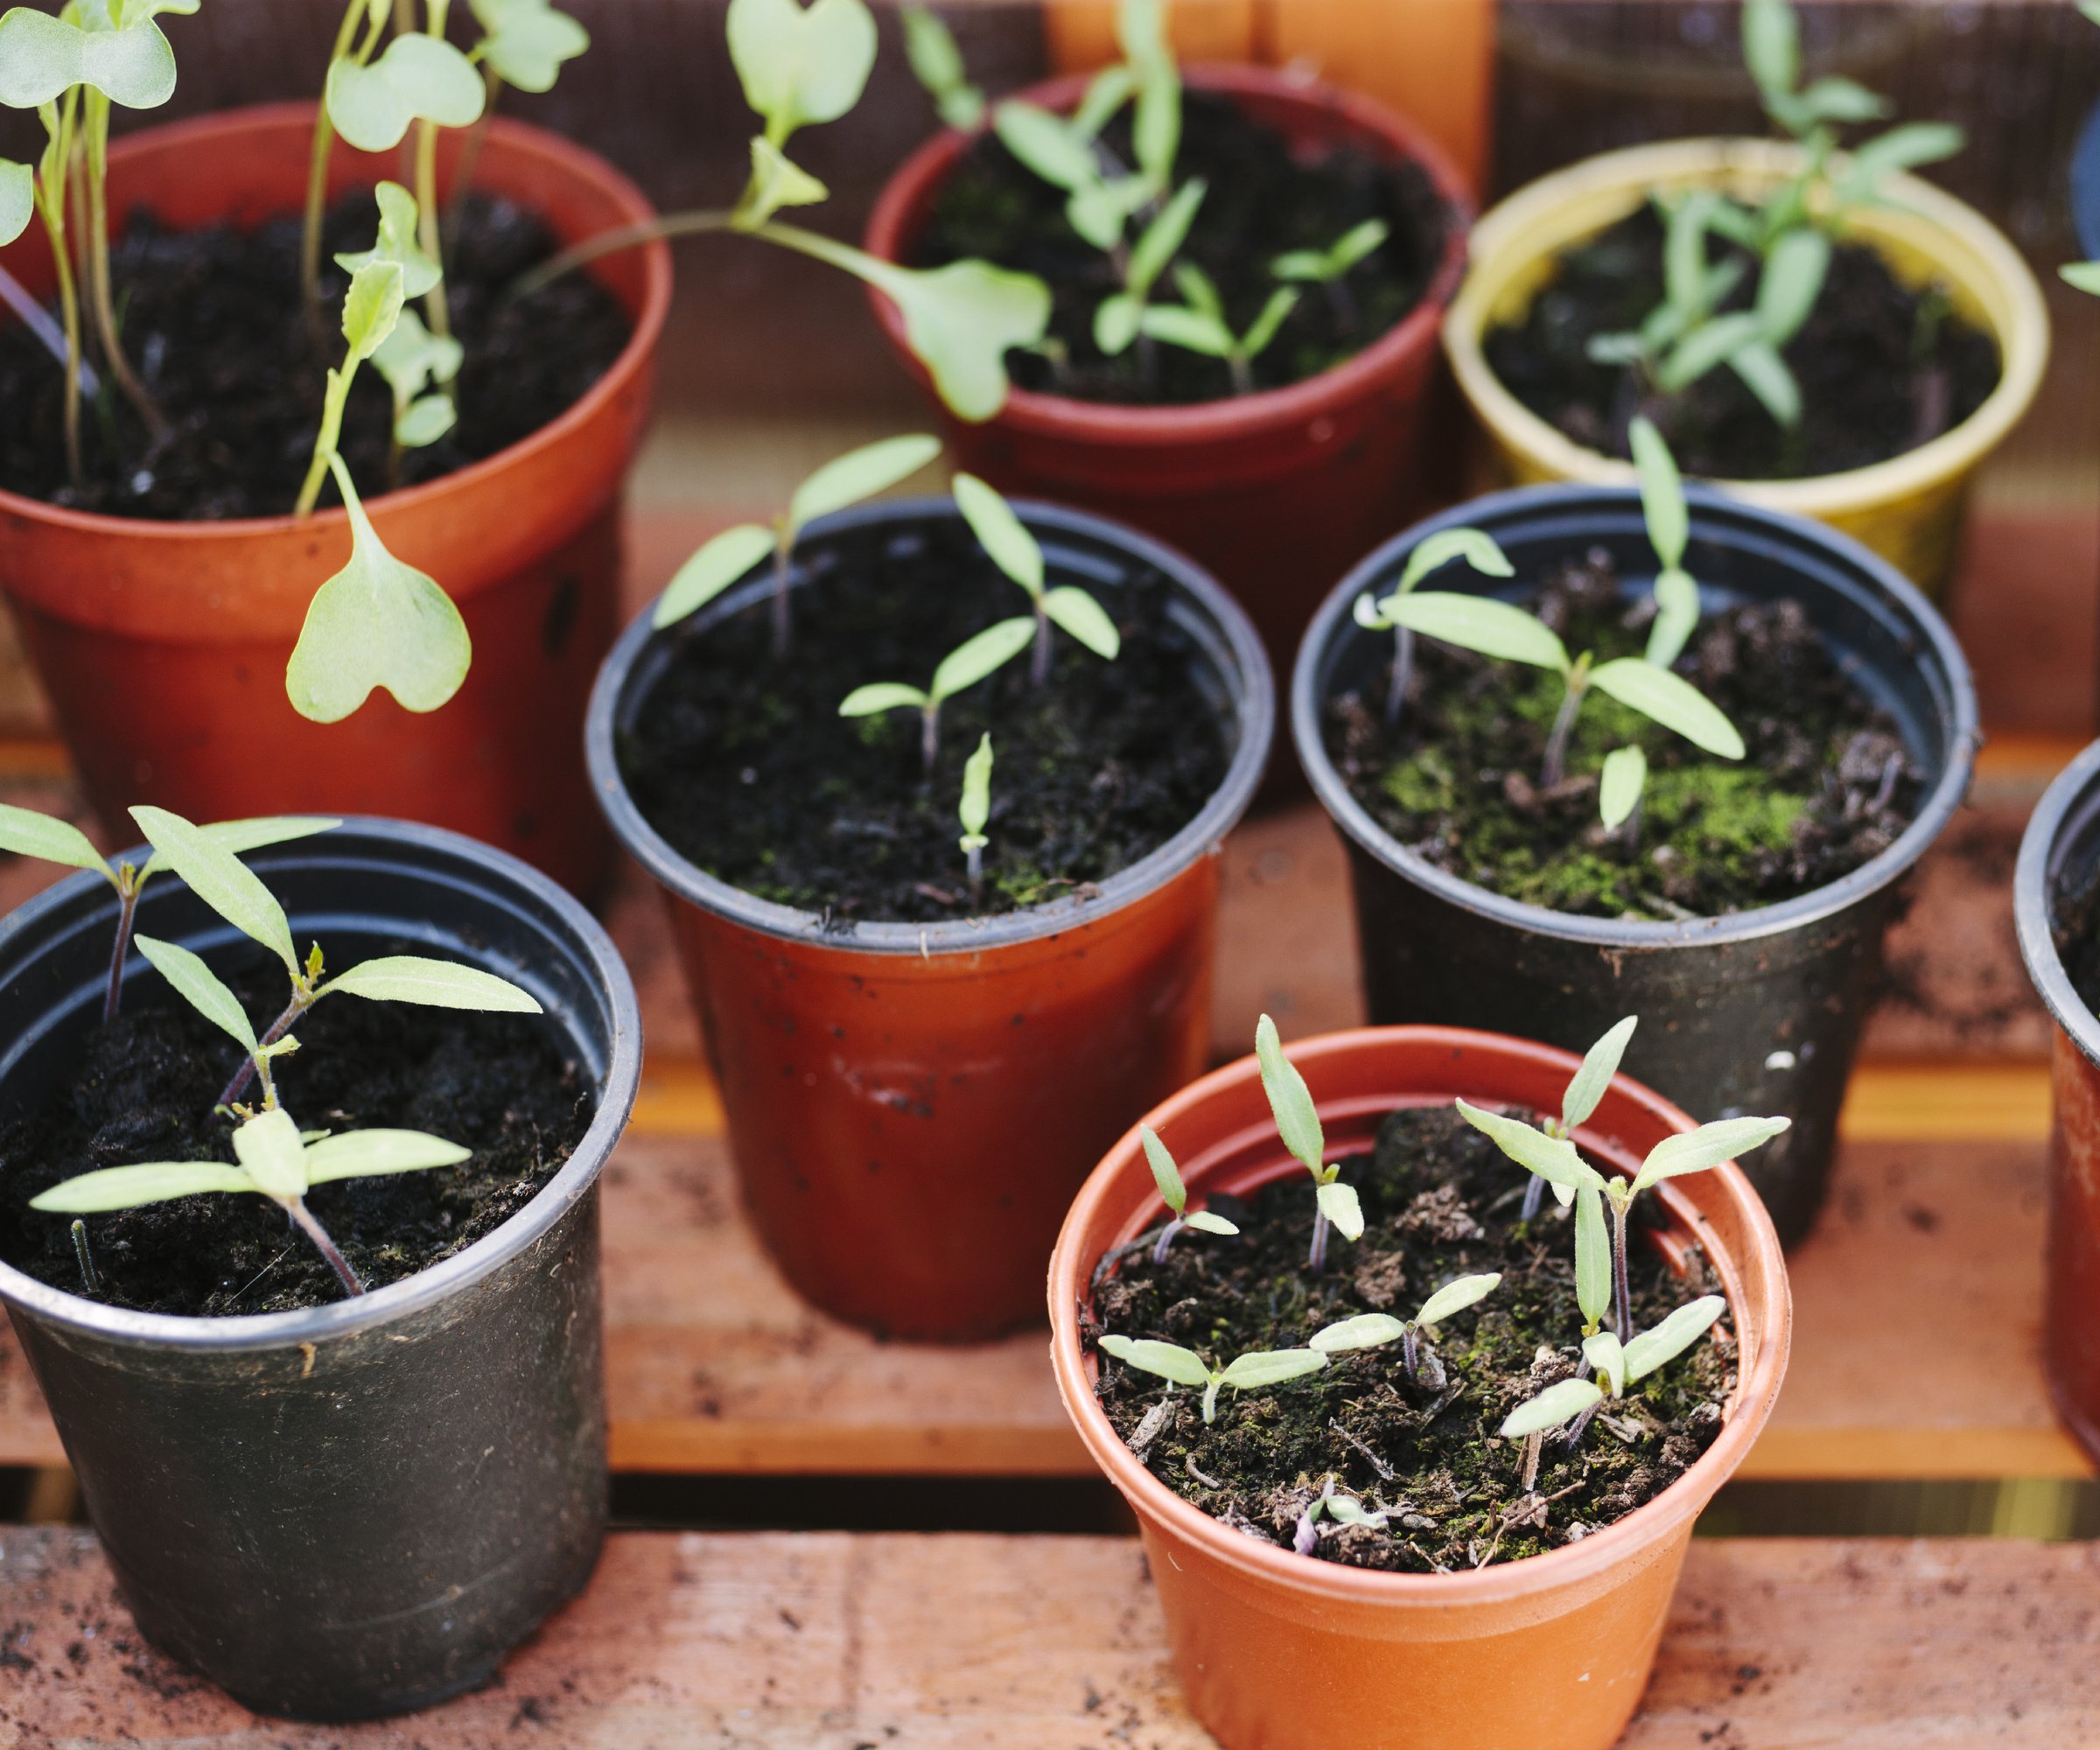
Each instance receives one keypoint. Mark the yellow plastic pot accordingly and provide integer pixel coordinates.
(1908, 508)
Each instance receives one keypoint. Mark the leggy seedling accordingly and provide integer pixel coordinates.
(1570, 1403)
(1249, 1372)
(1477, 549)
(937, 65)
(1371, 1330)
(966, 665)
(1329, 268)
(1175, 1194)
(1579, 1101)
(1019, 554)
(975, 811)
(1298, 1124)
(1200, 324)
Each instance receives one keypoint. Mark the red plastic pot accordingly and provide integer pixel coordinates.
(1276, 493)
(1284, 1653)
(912, 1106)
(163, 645)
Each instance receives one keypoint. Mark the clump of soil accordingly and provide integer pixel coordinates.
(1825, 785)
(745, 766)
(1265, 199)
(1440, 1201)
(144, 1090)
(214, 321)
(1883, 367)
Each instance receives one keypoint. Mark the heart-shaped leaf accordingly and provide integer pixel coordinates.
(412, 359)
(1671, 701)
(418, 79)
(859, 474)
(961, 319)
(375, 623)
(527, 41)
(425, 421)
(1001, 534)
(800, 65)
(713, 569)
(367, 1154)
(42, 56)
(433, 984)
(221, 879)
(201, 988)
(45, 837)
(398, 243)
(17, 200)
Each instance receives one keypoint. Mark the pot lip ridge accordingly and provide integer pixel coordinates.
(897, 215)
(2031, 906)
(1755, 1394)
(1256, 697)
(25, 1295)
(1934, 811)
(523, 139)
(1502, 241)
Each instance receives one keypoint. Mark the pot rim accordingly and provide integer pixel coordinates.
(1934, 812)
(1756, 1390)
(2031, 901)
(897, 217)
(24, 1295)
(1196, 839)
(1504, 244)
(521, 139)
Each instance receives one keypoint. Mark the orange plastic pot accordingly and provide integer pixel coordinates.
(1277, 494)
(1280, 1652)
(912, 1106)
(162, 644)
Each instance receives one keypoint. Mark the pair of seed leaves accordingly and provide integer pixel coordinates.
(1617, 1365)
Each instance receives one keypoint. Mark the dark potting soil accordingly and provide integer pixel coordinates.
(1883, 367)
(1825, 785)
(144, 1091)
(745, 766)
(1264, 200)
(2076, 932)
(213, 323)
(1440, 1201)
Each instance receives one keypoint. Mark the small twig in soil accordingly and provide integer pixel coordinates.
(1386, 1473)
(1189, 1464)
(1148, 1431)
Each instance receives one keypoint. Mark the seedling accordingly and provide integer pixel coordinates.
(966, 665)
(45, 837)
(1200, 324)
(1585, 1093)
(1669, 523)
(1167, 1176)
(1371, 1330)
(1298, 1124)
(1119, 319)
(937, 63)
(976, 809)
(419, 367)
(1570, 1404)
(1019, 554)
(1329, 268)
(1250, 1372)
(857, 475)
(1343, 1509)
(1477, 548)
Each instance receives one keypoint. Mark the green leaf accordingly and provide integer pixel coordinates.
(1200, 292)
(1684, 254)
(269, 1146)
(1354, 244)
(1552, 1408)
(1166, 1174)
(959, 320)
(1300, 264)
(1347, 1510)
(1156, 129)
(1098, 210)
(1913, 144)
(1107, 92)
(938, 65)
(252, 834)
(1677, 617)
(528, 41)
(859, 474)
(2084, 275)
(1169, 1361)
(729, 555)
(397, 242)
(221, 879)
(372, 309)
(41, 57)
(1046, 144)
(199, 986)
(1456, 1295)
(1592, 1256)
(1204, 1222)
(1163, 238)
(1290, 1100)
(432, 985)
(1710, 344)
(1365, 1331)
(1840, 100)
(1602, 1351)
(17, 200)
(1587, 1087)
(1338, 1202)
(1001, 534)
(1481, 623)
(1617, 349)
(1255, 341)
(1115, 320)
(46, 838)
(412, 359)
(126, 1188)
(1792, 281)
(1771, 44)
(1624, 776)
(375, 623)
(801, 65)
(1073, 611)
(1665, 1342)
(776, 181)
(1187, 328)
(975, 806)
(1662, 492)
(1671, 701)
(1553, 1158)
(1271, 1367)
(881, 696)
(1476, 547)
(1765, 374)
(419, 78)
(1706, 1147)
(425, 421)
(977, 657)
(367, 1154)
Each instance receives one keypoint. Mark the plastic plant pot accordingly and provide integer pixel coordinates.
(357, 1508)
(1908, 508)
(911, 1107)
(1277, 1651)
(1754, 1012)
(1276, 493)
(2059, 867)
(162, 644)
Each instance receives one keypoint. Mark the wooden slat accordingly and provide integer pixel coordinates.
(829, 1640)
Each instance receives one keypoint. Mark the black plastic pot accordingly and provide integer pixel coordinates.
(1759, 1011)
(358, 1508)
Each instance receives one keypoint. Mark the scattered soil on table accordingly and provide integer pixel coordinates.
(1265, 200)
(1826, 784)
(214, 323)
(1440, 1201)
(144, 1091)
(1883, 367)
(745, 766)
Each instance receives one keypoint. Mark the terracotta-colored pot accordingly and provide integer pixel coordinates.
(1277, 494)
(912, 1106)
(2059, 866)
(163, 645)
(1280, 1652)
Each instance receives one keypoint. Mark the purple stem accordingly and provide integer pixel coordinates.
(929, 736)
(299, 1212)
(1622, 1315)
(1556, 767)
(1166, 1238)
(1319, 1257)
(277, 1030)
(1403, 671)
(1534, 1193)
(127, 909)
(781, 629)
(1038, 661)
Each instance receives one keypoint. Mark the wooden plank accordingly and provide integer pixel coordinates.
(832, 1641)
